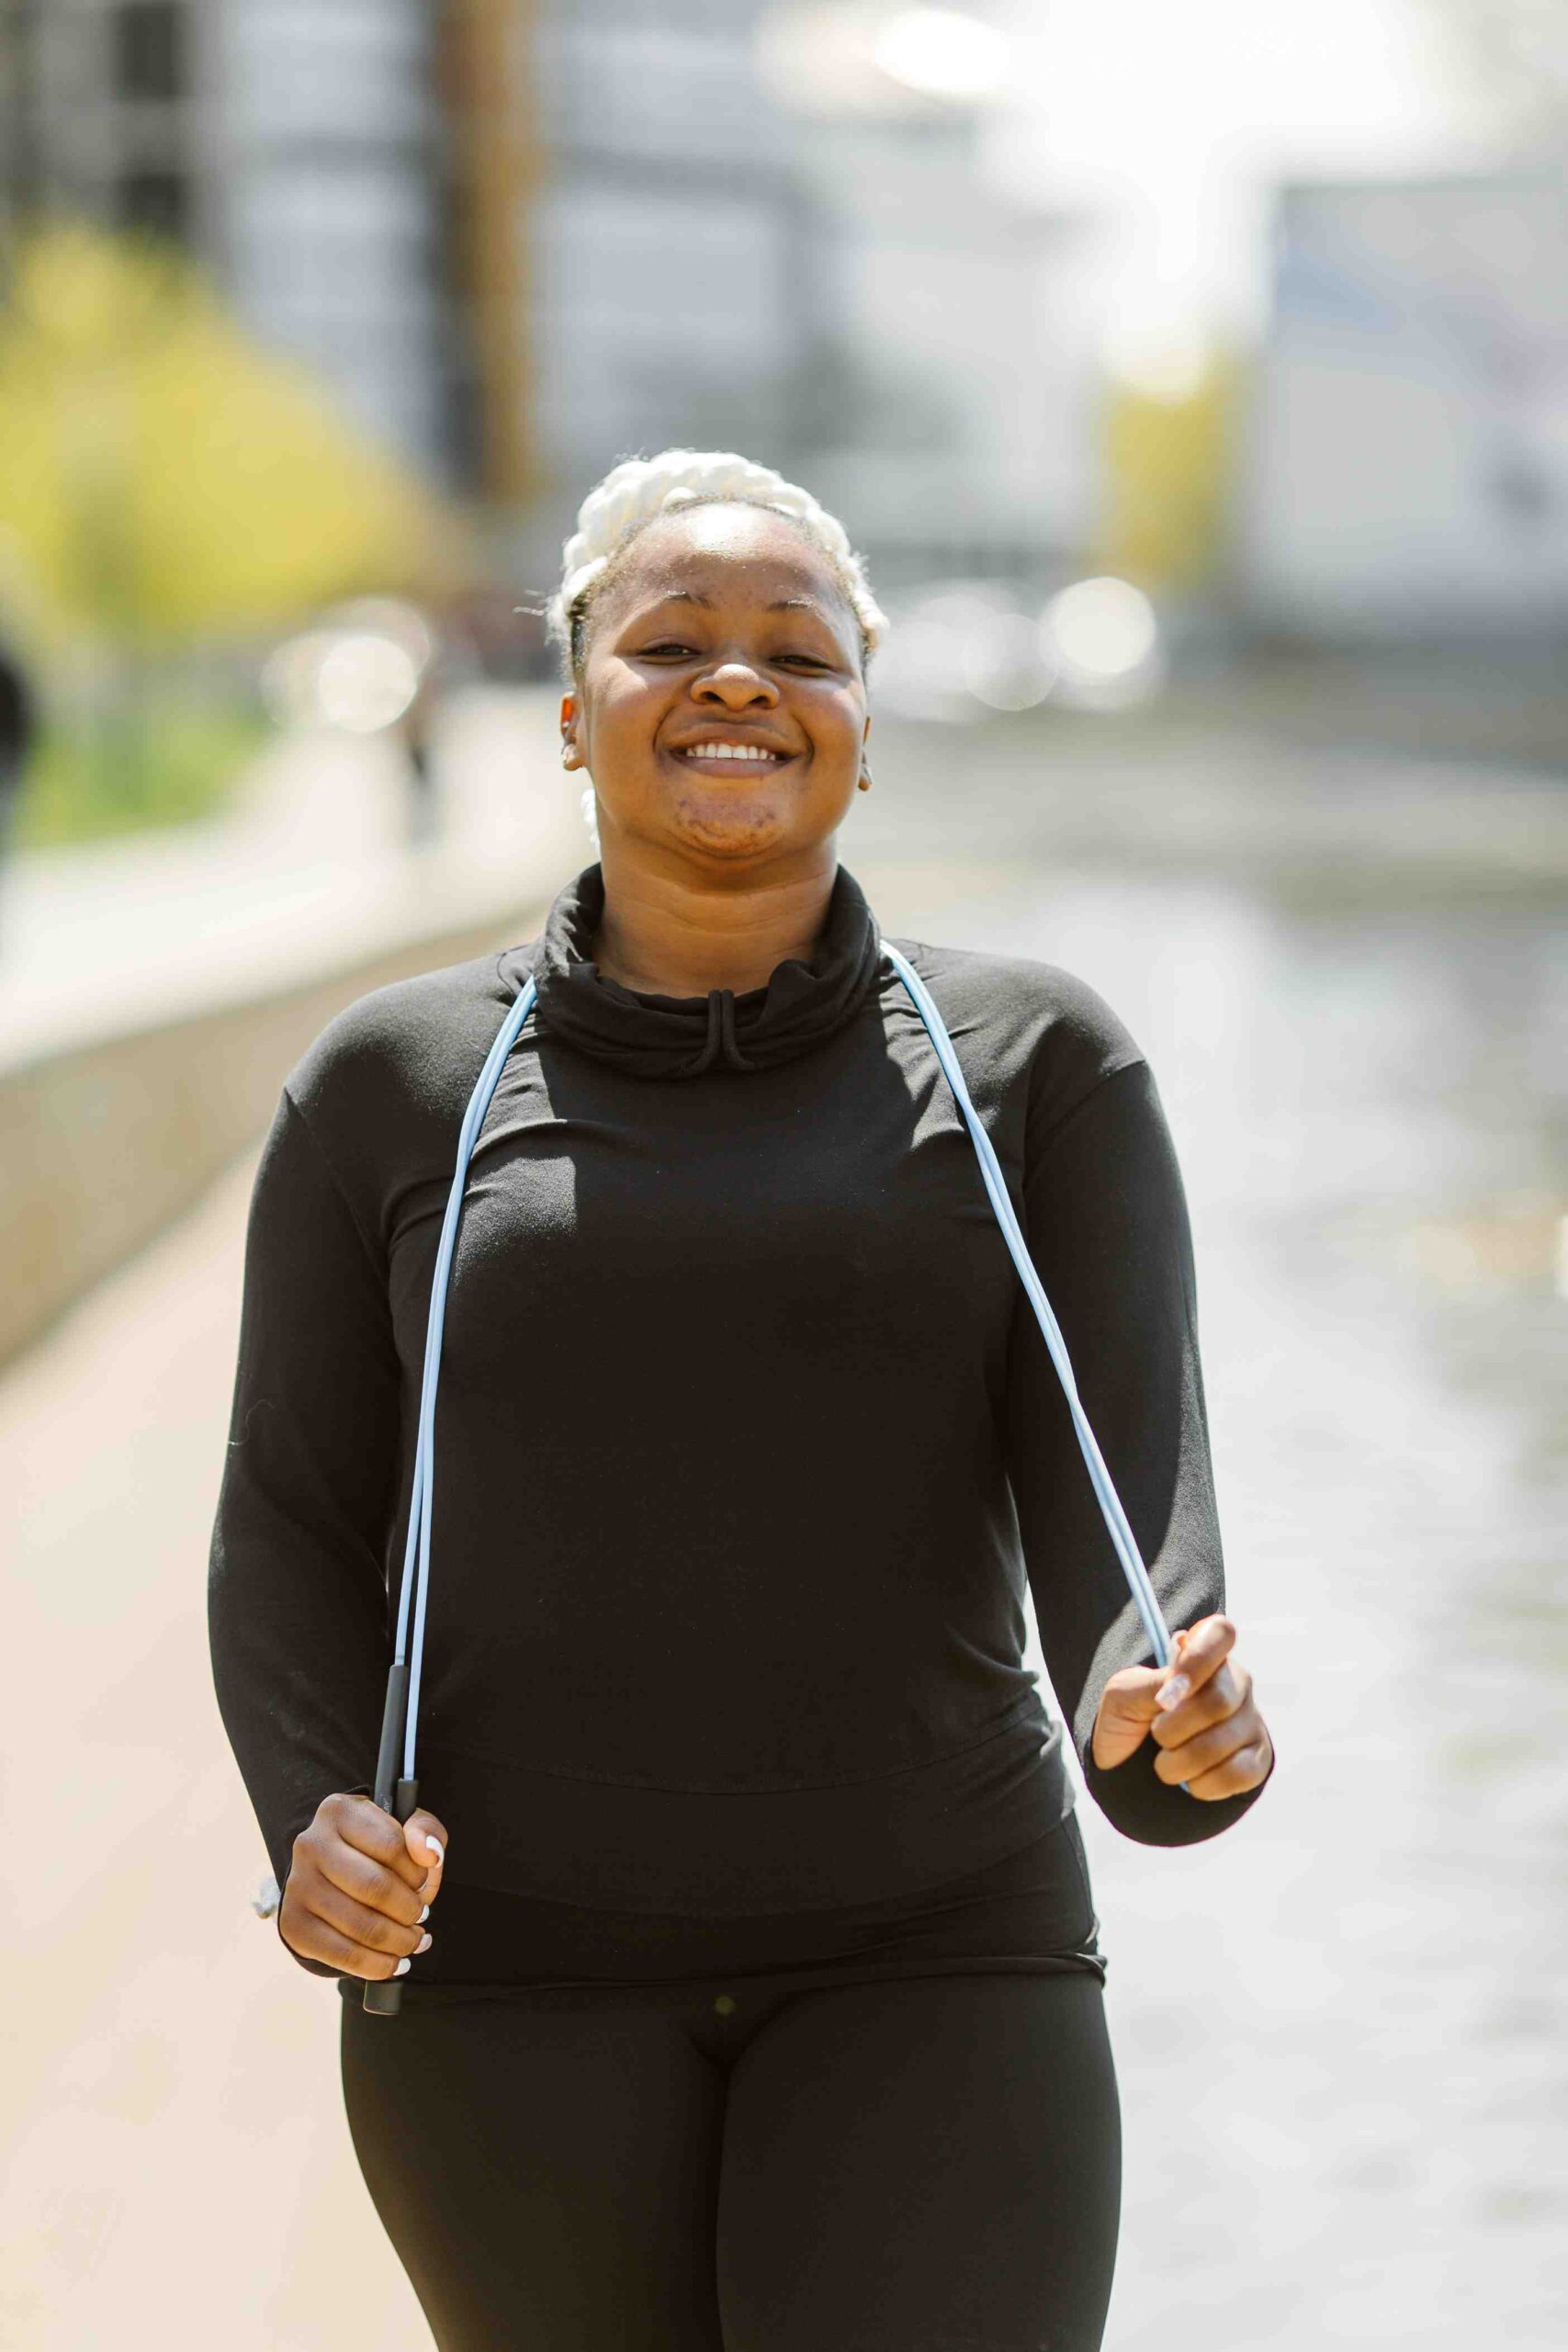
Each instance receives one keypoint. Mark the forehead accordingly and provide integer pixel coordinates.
(728, 554)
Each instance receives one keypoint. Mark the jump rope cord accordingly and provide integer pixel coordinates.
(1117, 1524)
(416, 1553)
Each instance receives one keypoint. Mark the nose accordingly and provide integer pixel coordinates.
(737, 685)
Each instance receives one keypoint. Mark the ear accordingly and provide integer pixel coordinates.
(570, 717)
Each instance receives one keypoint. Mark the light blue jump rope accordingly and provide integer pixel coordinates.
(397, 1793)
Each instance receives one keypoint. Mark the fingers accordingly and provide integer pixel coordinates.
(1245, 1768)
(1225, 1694)
(316, 1938)
(361, 1823)
(358, 1892)
(1131, 1693)
(376, 1886)
(1199, 1652)
(1207, 1730)
(1125, 1712)
(370, 1933)
(321, 1920)
(1210, 1735)
(1185, 1760)
(424, 1842)
(1216, 1741)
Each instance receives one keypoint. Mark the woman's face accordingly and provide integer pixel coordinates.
(721, 708)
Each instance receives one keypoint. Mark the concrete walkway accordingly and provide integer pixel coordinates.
(179, 2174)
(313, 860)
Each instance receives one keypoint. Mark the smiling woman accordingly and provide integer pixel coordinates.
(810, 612)
(749, 1444)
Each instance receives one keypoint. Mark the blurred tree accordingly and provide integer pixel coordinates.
(1168, 456)
(162, 480)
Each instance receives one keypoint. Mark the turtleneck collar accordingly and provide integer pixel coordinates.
(669, 1037)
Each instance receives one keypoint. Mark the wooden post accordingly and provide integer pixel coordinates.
(488, 74)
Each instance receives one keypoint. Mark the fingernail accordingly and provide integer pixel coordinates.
(1172, 1693)
(425, 1943)
(402, 1968)
(436, 1849)
(426, 1913)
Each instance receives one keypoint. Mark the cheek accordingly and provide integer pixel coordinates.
(623, 710)
(836, 724)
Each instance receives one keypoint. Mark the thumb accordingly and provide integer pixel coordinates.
(425, 1837)
(1127, 1708)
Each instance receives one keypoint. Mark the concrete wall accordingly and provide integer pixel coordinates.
(103, 1143)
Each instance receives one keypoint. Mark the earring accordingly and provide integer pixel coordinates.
(866, 779)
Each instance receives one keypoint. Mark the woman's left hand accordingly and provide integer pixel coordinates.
(1200, 1708)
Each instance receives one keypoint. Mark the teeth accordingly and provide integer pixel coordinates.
(729, 752)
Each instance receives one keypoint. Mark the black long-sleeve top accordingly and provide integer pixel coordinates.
(745, 1439)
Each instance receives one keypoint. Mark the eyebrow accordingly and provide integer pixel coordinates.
(780, 605)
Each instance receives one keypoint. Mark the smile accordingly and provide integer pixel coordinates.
(719, 753)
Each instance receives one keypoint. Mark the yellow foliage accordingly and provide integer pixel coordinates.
(1169, 473)
(163, 478)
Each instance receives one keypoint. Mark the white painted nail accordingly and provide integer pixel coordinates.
(436, 1848)
(426, 1913)
(424, 1942)
(402, 1968)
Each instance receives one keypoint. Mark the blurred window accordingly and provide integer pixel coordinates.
(151, 58)
(350, 241)
(159, 202)
(671, 91)
(299, 75)
(656, 271)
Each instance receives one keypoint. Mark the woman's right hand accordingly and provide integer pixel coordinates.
(360, 1886)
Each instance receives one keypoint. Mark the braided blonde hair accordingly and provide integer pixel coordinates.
(636, 492)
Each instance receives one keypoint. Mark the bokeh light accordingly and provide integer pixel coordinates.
(942, 53)
(359, 672)
(1005, 665)
(1102, 637)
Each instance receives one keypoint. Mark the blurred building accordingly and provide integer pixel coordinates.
(712, 264)
(674, 292)
(953, 421)
(295, 149)
(1408, 468)
(522, 238)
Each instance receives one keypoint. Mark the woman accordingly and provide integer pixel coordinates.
(761, 2003)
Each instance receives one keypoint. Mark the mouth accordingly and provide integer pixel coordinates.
(723, 755)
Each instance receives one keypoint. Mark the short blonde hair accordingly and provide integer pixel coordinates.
(639, 490)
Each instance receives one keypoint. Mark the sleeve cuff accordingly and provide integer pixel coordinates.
(1153, 1812)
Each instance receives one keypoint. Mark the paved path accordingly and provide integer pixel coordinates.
(311, 863)
(1340, 2032)
(180, 2174)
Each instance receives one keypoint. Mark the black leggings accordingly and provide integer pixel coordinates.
(929, 2163)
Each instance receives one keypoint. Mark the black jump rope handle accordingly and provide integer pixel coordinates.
(384, 1994)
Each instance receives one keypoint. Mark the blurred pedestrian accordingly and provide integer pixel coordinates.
(18, 734)
(414, 729)
(764, 2003)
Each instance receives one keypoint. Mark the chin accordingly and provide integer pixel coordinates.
(727, 832)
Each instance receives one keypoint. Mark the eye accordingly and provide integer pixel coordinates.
(666, 646)
(811, 661)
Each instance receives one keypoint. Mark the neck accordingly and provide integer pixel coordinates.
(671, 932)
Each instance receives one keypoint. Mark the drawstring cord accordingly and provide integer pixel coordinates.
(403, 1682)
(720, 1043)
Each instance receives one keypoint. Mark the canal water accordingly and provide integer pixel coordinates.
(1342, 2030)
